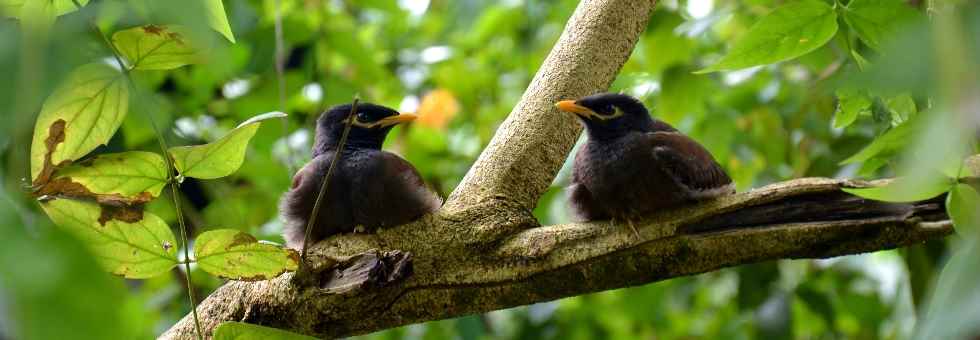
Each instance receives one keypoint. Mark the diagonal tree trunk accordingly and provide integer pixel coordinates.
(485, 251)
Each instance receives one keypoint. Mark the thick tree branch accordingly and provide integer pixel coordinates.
(530, 146)
(485, 251)
(452, 277)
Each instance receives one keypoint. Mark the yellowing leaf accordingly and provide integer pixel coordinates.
(437, 108)
(121, 178)
(154, 47)
(236, 255)
(82, 113)
(787, 32)
(222, 157)
(244, 331)
(218, 20)
(130, 243)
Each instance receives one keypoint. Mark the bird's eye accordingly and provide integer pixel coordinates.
(363, 117)
(610, 110)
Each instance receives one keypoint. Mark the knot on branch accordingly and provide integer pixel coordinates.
(368, 270)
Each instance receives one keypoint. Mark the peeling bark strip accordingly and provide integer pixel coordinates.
(367, 271)
(485, 251)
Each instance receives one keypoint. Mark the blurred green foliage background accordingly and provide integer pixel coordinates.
(462, 65)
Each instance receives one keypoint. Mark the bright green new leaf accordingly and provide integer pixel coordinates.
(82, 113)
(222, 157)
(236, 255)
(130, 174)
(850, 104)
(876, 20)
(133, 244)
(963, 204)
(154, 47)
(245, 331)
(890, 142)
(218, 20)
(905, 189)
(785, 33)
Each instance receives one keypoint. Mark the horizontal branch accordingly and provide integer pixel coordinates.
(449, 276)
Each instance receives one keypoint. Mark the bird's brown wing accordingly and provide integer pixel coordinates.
(391, 192)
(689, 164)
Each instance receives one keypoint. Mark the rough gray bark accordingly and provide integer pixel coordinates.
(485, 251)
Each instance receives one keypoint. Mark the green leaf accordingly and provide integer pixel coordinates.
(11, 8)
(876, 20)
(953, 311)
(133, 244)
(129, 174)
(901, 108)
(218, 20)
(222, 157)
(905, 189)
(785, 33)
(850, 104)
(246, 331)
(82, 113)
(154, 47)
(889, 142)
(236, 255)
(53, 288)
(962, 205)
(871, 165)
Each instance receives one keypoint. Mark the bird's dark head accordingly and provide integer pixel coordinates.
(368, 130)
(609, 115)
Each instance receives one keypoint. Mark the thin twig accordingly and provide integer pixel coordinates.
(170, 175)
(326, 178)
(281, 84)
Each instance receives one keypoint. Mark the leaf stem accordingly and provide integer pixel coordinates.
(281, 84)
(170, 176)
(326, 179)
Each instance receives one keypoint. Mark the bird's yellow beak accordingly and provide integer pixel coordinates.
(397, 119)
(581, 111)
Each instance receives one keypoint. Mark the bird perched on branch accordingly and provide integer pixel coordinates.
(368, 187)
(633, 165)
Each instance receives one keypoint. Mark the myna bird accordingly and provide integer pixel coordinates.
(369, 188)
(633, 165)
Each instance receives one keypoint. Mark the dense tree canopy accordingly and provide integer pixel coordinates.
(776, 90)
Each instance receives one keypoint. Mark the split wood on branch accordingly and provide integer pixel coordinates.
(485, 251)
